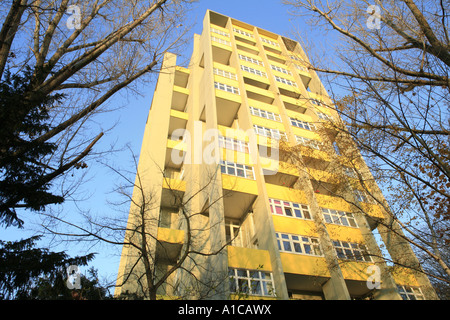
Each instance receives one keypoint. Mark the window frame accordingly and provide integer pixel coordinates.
(249, 279)
(338, 217)
(298, 244)
(408, 294)
(253, 71)
(268, 132)
(297, 210)
(226, 87)
(346, 251)
(227, 167)
(302, 124)
(251, 60)
(285, 81)
(225, 74)
(260, 113)
(233, 144)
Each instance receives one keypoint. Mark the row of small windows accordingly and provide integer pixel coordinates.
(289, 209)
(222, 33)
(280, 69)
(270, 42)
(301, 211)
(251, 282)
(307, 142)
(285, 81)
(298, 244)
(233, 144)
(351, 251)
(245, 33)
(254, 71)
(265, 114)
(236, 169)
(302, 124)
(220, 40)
(251, 60)
(225, 74)
(226, 87)
(268, 132)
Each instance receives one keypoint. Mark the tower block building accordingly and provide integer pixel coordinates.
(247, 188)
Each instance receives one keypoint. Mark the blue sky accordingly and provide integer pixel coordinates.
(266, 14)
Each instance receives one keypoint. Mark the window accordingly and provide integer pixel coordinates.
(265, 114)
(298, 244)
(232, 233)
(339, 217)
(223, 33)
(220, 40)
(244, 33)
(252, 282)
(249, 59)
(307, 142)
(285, 81)
(410, 293)
(236, 169)
(295, 58)
(225, 74)
(233, 144)
(316, 102)
(351, 251)
(279, 69)
(301, 68)
(302, 124)
(361, 196)
(323, 116)
(227, 88)
(276, 44)
(289, 209)
(350, 172)
(254, 71)
(270, 133)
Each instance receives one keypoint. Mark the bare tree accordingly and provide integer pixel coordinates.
(389, 83)
(152, 266)
(79, 53)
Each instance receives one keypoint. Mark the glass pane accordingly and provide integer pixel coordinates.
(278, 210)
(307, 249)
(288, 212)
(297, 247)
(256, 288)
(287, 246)
(298, 213)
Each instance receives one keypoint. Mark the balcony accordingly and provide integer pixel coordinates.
(179, 98)
(175, 153)
(178, 120)
(169, 244)
(259, 94)
(247, 258)
(238, 195)
(172, 192)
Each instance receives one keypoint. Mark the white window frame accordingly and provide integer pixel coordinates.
(251, 282)
(222, 33)
(285, 81)
(254, 71)
(251, 60)
(280, 69)
(265, 114)
(276, 44)
(268, 132)
(220, 40)
(244, 33)
(351, 251)
(302, 124)
(410, 293)
(341, 218)
(308, 142)
(233, 144)
(298, 244)
(289, 209)
(226, 87)
(362, 196)
(237, 170)
(323, 116)
(225, 74)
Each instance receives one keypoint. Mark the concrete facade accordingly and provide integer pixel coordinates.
(253, 227)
